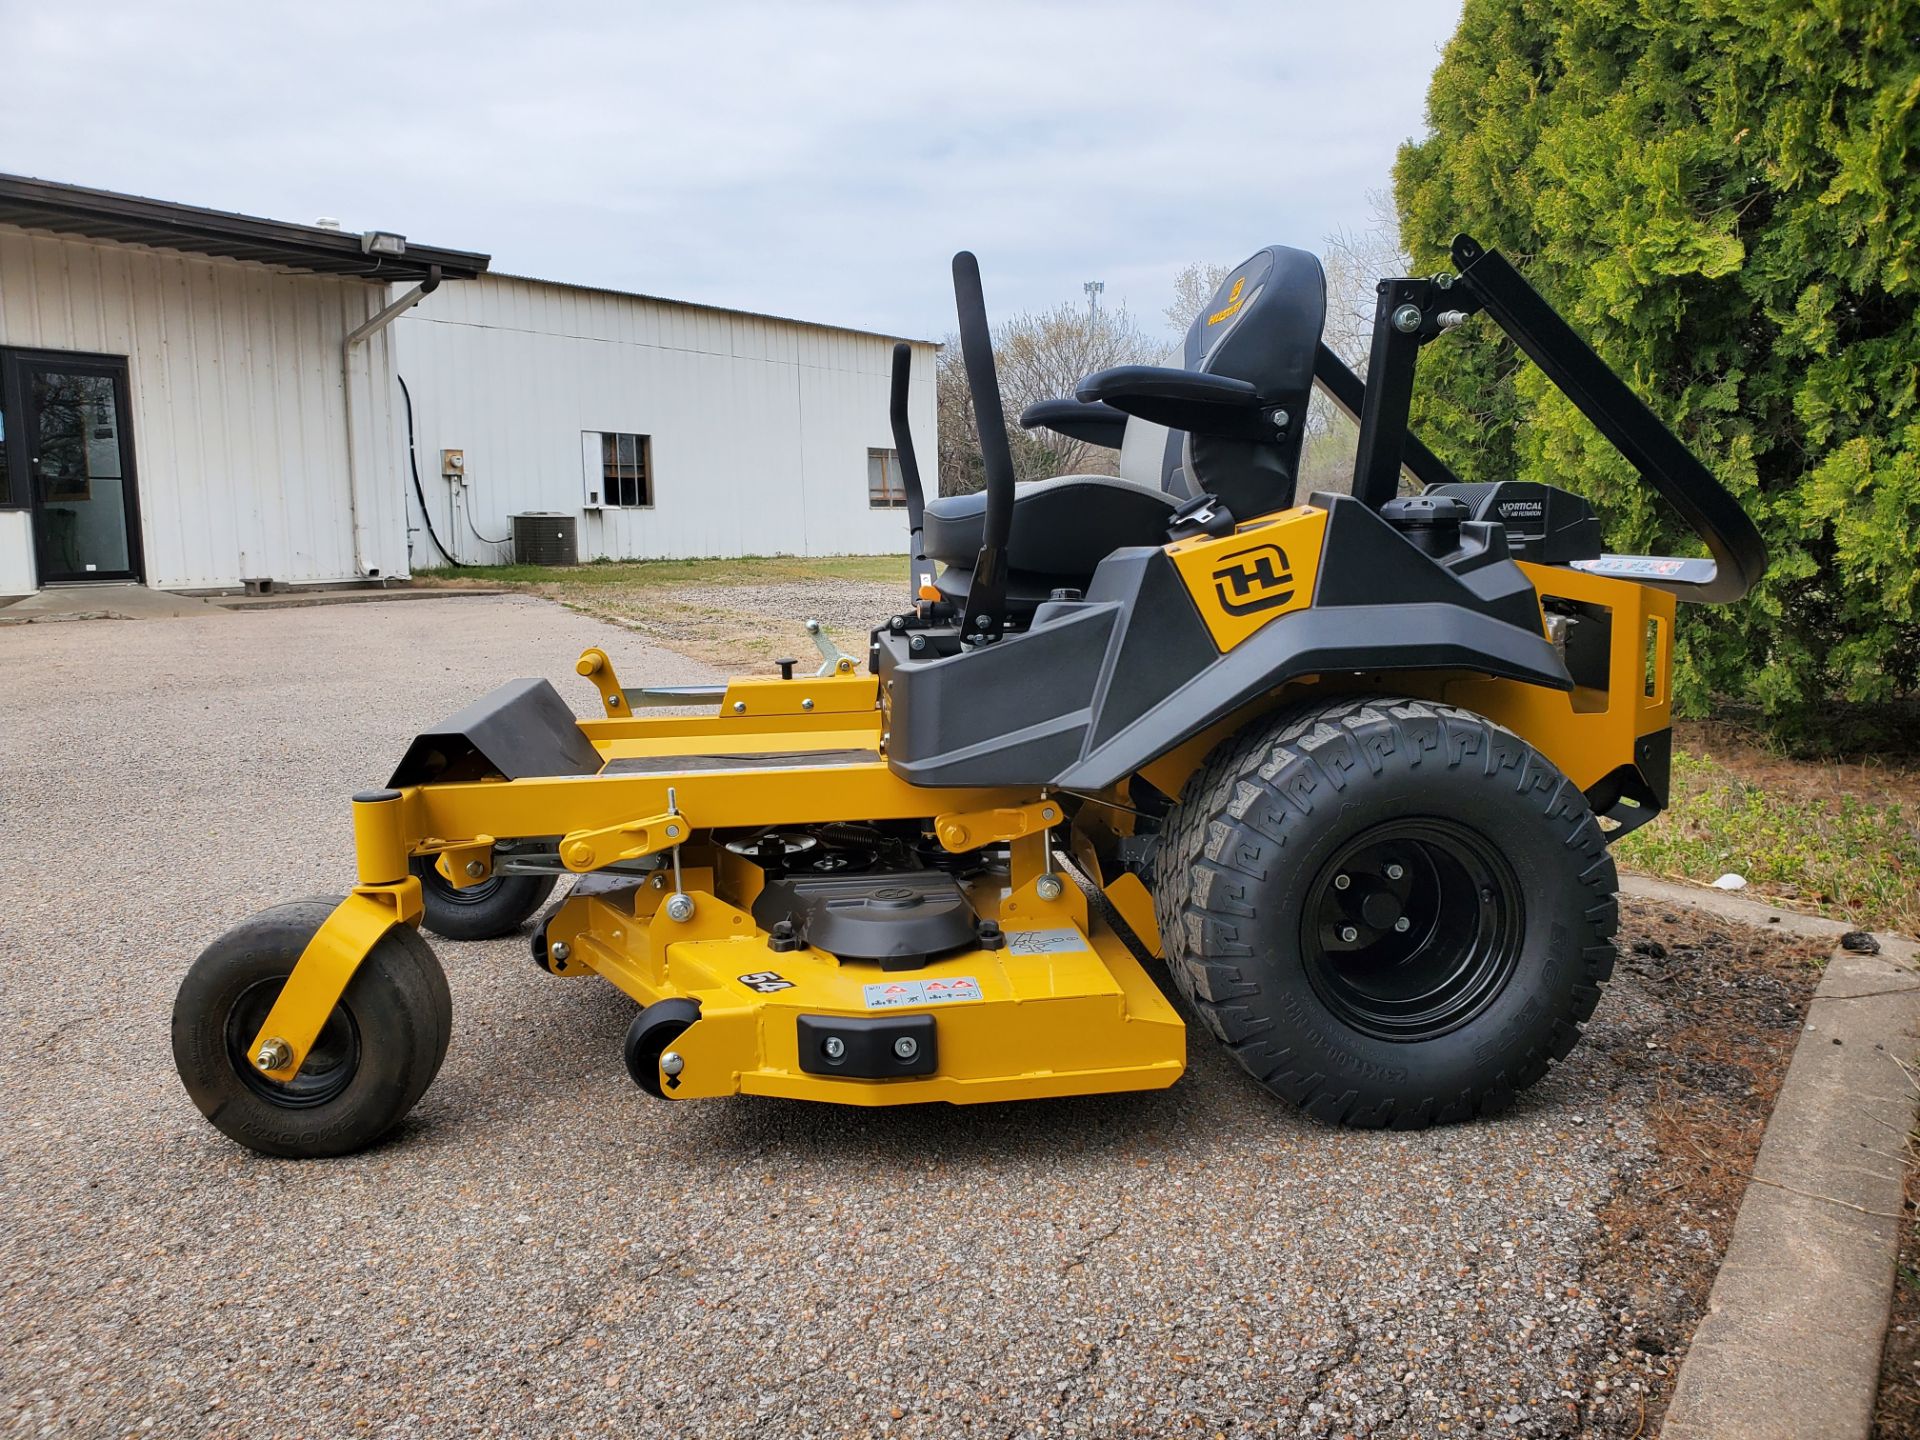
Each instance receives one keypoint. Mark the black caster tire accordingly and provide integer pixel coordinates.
(1393, 912)
(486, 911)
(372, 1062)
(653, 1030)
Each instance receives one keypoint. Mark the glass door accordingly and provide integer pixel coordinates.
(78, 457)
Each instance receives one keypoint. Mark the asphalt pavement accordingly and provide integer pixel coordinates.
(542, 1249)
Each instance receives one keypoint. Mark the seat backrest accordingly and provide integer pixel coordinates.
(1150, 455)
(1262, 325)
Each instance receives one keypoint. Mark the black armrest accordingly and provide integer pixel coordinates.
(1091, 421)
(1182, 400)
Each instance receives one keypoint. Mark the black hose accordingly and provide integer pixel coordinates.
(413, 464)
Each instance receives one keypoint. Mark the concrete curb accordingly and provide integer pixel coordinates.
(1790, 1346)
(1743, 910)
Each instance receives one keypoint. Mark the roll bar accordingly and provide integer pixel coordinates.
(984, 616)
(1349, 395)
(1739, 554)
(1413, 311)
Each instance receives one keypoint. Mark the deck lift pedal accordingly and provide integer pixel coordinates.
(1348, 765)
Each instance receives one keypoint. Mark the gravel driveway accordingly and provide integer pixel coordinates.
(544, 1250)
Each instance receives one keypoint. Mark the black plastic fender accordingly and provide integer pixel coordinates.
(1320, 642)
(522, 728)
(1099, 687)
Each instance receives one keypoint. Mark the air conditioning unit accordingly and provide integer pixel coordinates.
(546, 537)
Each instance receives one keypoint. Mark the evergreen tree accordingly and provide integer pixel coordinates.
(1721, 196)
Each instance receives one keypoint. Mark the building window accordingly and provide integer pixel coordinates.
(626, 471)
(885, 489)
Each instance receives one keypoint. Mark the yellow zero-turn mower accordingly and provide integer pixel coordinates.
(1350, 767)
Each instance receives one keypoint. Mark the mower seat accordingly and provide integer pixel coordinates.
(1227, 424)
(1149, 453)
(1062, 528)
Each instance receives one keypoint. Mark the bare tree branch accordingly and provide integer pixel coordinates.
(1039, 357)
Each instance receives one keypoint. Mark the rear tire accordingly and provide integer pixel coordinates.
(495, 907)
(370, 1065)
(1435, 995)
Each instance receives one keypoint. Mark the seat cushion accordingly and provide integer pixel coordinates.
(1065, 526)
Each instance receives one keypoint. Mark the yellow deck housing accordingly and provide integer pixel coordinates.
(1056, 991)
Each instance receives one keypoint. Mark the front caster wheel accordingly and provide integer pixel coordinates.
(370, 1065)
(494, 907)
(1392, 911)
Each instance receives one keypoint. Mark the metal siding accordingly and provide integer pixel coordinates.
(238, 409)
(760, 428)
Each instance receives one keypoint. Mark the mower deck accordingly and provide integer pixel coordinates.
(1059, 1007)
(1047, 1002)
(1051, 1004)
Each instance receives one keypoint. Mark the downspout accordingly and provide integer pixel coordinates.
(374, 324)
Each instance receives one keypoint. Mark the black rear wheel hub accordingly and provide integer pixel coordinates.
(1412, 928)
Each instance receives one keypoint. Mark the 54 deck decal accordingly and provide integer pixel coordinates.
(766, 982)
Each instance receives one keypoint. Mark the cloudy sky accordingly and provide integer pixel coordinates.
(816, 160)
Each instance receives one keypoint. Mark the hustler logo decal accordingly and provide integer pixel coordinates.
(1257, 578)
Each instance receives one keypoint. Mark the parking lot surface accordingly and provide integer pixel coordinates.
(542, 1249)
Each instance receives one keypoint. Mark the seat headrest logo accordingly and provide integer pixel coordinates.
(1232, 307)
(1257, 578)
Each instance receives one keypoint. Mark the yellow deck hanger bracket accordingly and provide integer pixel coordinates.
(584, 850)
(597, 666)
(961, 830)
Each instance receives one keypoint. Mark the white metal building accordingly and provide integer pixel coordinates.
(190, 399)
(670, 429)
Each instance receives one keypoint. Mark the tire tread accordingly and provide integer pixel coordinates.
(1201, 902)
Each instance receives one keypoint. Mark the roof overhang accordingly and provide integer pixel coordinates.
(133, 220)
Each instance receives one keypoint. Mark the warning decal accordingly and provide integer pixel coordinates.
(893, 994)
(1044, 942)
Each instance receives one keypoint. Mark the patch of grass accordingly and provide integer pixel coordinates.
(1833, 839)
